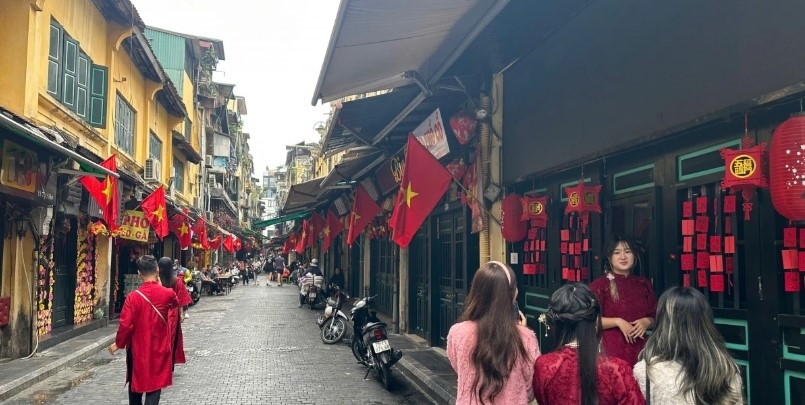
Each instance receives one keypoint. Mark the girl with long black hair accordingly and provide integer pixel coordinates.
(490, 347)
(575, 373)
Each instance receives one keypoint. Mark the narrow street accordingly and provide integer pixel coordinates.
(253, 346)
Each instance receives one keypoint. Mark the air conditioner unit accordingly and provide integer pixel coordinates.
(153, 170)
(211, 180)
(341, 206)
(208, 161)
(209, 216)
(371, 189)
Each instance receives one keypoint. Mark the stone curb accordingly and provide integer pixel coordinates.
(427, 382)
(14, 387)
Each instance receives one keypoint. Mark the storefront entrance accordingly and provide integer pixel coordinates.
(419, 256)
(66, 241)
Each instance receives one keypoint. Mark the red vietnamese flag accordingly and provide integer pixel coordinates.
(105, 193)
(180, 228)
(200, 229)
(332, 228)
(156, 211)
(289, 244)
(215, 242)
(229, 244)
(301, 242)
(236, 244)
(364, 209)
(423, 184)
(316, 226)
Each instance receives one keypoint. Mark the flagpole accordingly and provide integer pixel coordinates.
(480, 202)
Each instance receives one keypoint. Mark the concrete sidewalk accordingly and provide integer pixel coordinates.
(19, 374)
(427, 367)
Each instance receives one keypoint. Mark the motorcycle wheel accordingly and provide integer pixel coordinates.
(333, 330)
(358, 352)
(196, 297)
(383, 371)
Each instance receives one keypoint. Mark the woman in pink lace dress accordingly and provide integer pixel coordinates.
(490, 348)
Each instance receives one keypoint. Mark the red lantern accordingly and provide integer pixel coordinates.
(787, 168)
(513, 227)
(463, 125)
(583, 199)
(744, 171)
(534, 209)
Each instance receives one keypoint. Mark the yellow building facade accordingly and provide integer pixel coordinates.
(82, 74)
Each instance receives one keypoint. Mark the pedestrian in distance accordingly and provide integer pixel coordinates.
(575, 372)
(279, 266)
(627, 300)
(169, 280)
(687, 360)
(145, 333)
(490, 347)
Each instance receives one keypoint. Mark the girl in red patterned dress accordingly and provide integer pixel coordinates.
(575, 373)
(628, 304)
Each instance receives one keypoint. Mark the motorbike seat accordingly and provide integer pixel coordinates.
(374, 325)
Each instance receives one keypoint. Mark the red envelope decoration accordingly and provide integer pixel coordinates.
(686, 280)
(790, 237)
(702, 278)
(801, 261)
(717, 282)
(687, 244)
(701, 241)
(687, 263)
(530, 268)
(702, 260)
(715, 244)
(729, 204)
(564, 235)
(792, 281)
(729, 264)
(687, 227)
(701, 205)
(729, 244)
(687, 209)
(702, 223)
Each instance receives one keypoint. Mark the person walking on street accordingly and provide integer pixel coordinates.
(169, 280)
(279, 267)
(145, 333)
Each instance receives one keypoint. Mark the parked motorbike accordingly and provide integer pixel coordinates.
(370, 344)
(333, 322)
(312, 291)
(194, 287)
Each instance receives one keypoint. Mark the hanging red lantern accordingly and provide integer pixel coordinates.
(744, 171)
(513, 227)
(534, 210)
(584, 200)
(463, 125)
(787, 168)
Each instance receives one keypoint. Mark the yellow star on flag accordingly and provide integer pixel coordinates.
(183, 229)
(158, 213)
(327, 230)
(409, 195)
(355, 217)
(107, 190)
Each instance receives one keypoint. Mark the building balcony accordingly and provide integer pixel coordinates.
(221, 194)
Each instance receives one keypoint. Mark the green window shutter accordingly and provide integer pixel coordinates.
(70, 70)
(55, 60)
(82, 86)
(98, 96)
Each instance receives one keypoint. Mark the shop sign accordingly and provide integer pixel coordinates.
(431, 135)
(135, 226)
(23, 175)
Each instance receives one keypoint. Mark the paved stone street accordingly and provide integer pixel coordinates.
(253, 346)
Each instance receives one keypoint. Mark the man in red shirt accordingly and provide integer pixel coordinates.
(144, 331)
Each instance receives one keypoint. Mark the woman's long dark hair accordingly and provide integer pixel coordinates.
(574, 314)
(497, 343)
(686, 333)
(166, 275)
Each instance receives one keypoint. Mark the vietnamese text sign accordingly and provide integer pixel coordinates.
(135, 226)
(431, 135)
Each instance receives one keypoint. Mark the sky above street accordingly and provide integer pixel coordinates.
(274, 51)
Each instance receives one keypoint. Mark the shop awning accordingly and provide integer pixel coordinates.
(34, 135)
(385, 44)
(357, 122)
(305, 197)
(354, 165)
(278, 220)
